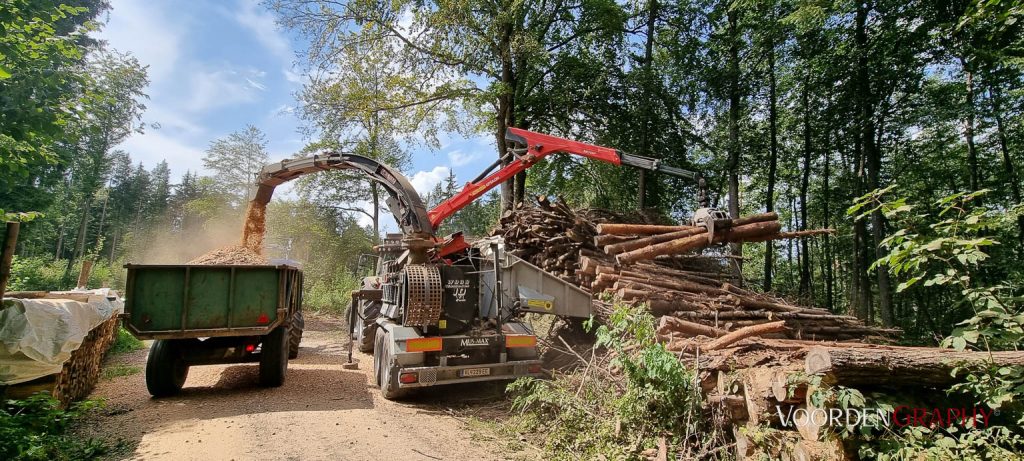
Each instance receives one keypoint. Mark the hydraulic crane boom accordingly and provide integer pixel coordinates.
(527, 148)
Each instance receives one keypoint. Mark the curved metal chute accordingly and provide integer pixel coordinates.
(405, 203)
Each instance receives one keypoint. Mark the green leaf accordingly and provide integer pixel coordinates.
(4, 73)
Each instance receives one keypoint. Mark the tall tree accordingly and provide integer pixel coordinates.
(236, 159)
(483, 55)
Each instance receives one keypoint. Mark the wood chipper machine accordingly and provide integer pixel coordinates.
(440, 310)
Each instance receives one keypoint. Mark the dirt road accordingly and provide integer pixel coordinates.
(322, 412)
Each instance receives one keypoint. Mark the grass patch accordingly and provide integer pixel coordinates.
(38, 429)
(117, 371)
(125, 342)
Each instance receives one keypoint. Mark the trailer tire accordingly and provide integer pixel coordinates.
(378, 339)
(388, 379)
(298, 324)
(365, 331)
(274, 357)
(166, 369)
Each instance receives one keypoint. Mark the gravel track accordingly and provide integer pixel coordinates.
(321, 412)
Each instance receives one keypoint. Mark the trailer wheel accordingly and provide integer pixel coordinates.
(166, 369)
(365, 332)
(388, 379)
(378, 339)
(274, 357)
(295, 334)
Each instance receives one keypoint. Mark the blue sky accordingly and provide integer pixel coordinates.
(215, 66)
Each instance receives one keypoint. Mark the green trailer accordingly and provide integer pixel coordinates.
(213, 314)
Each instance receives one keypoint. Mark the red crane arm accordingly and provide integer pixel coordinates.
(530, 148)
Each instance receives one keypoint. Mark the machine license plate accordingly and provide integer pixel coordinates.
(476, 372)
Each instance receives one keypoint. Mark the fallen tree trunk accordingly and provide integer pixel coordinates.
(669, 325)
(633, 244)
(745, 332)
(699, 240)
(637, 229)
(899, 365)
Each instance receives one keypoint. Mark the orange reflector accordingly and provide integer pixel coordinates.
(520, 341)
(535, 368)
(408, 378)
(423, 344)
(263, 319)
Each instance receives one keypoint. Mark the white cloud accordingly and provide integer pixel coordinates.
(424, 181)
(154, 146)
(295, 77)
(139, 27)
(458, 158)
(255, 84)
(262, 25)
(218, 88)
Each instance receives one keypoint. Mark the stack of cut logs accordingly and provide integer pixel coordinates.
(553, 236)
(777, 394)
(81, 372)
(635, 261)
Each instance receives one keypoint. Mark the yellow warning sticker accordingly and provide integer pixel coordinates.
(539, 303)
(442, 324)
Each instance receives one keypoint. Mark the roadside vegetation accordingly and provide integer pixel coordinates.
(37, 429)
(631, 397)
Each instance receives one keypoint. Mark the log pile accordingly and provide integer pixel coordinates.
(776, 394)
(80, 373)
(553, 236)
(665, 267)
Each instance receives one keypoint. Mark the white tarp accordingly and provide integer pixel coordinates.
(38, 335)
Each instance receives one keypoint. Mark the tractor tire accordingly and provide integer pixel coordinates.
(388, 378)
(378, 340)
(166, 369)
(298, 323)
(365, 332)
(274, 357)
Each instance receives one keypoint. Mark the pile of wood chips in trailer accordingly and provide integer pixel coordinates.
(758, 356)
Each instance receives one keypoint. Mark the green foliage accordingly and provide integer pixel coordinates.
(333, 296)
(947, 247)
(44, 274)
(125, 342)
(37, 429)
(593, 413)
(37, 82)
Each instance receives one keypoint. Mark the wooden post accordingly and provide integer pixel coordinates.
(83, 276)
(7, 256)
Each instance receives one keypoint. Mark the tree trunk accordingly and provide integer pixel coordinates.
(505, 107)
(60, 243)
(872, 157)
(375, 196)
(805, 255)
(1008, 166)
(103, 218)
(972, 150)
(734, 128)
(645, 132)
(917, 366)
(83, 225)
(773, 160)
(827, 244)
